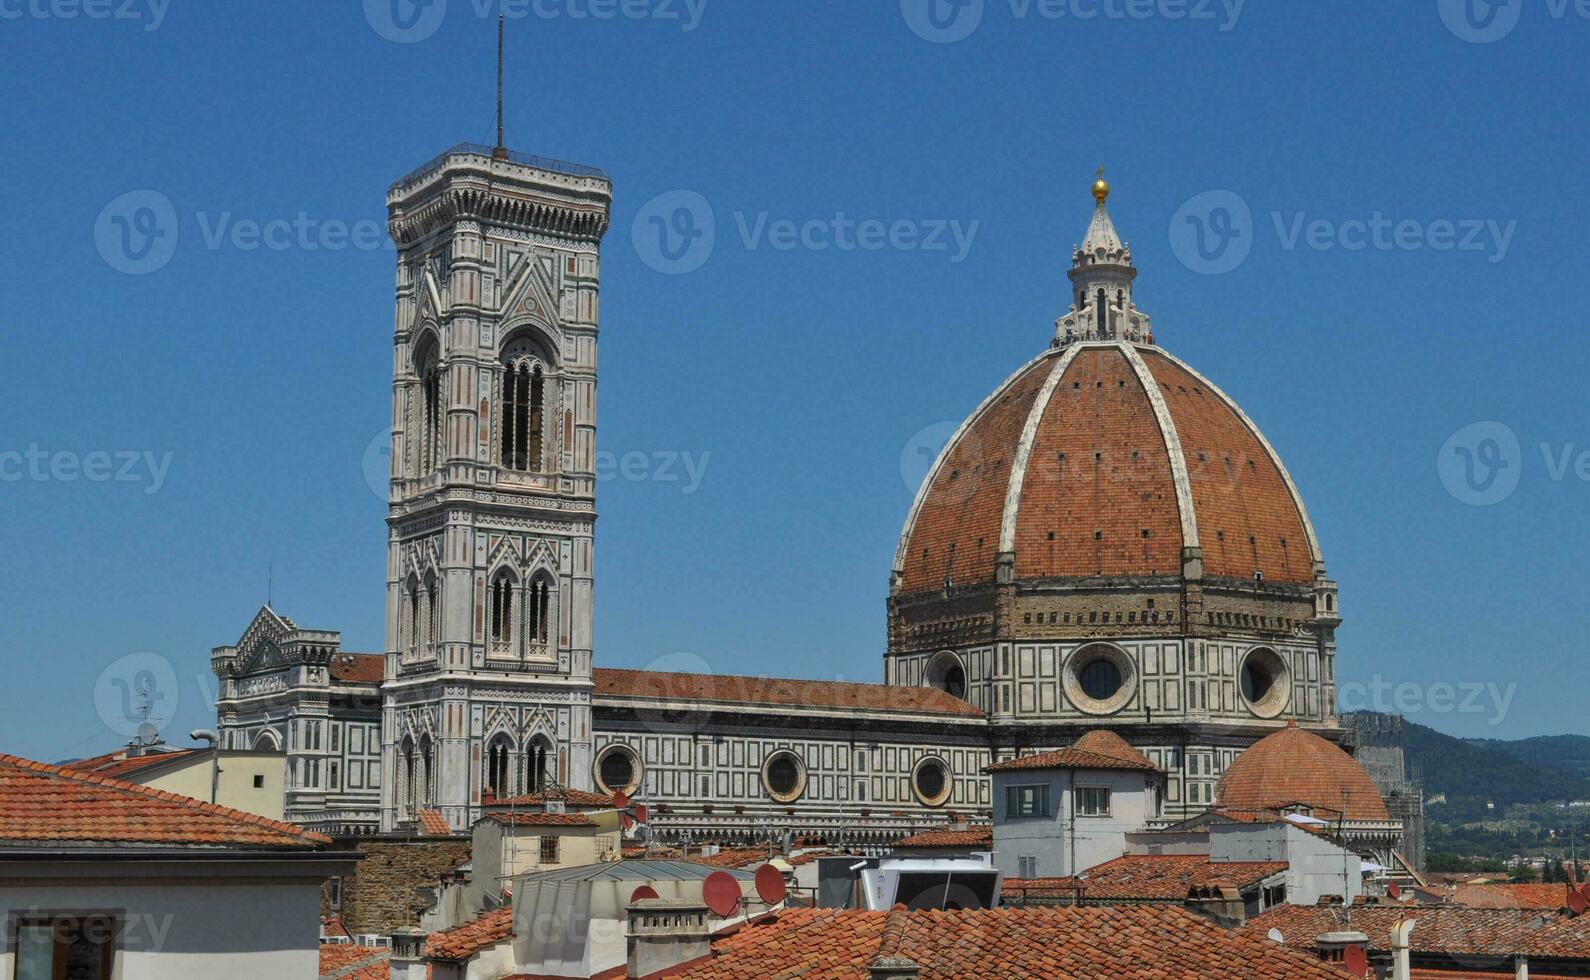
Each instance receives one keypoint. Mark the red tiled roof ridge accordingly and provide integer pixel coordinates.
(466, 939)
(1069, 758)
(745, 689)
(1105, 742)
(577, 797)
(72, 775)
(945, 837)
(531, 819)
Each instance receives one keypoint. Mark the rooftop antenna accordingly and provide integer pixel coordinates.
(270, 584)
(501, 150)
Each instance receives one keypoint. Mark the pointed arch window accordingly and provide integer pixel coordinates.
(523, 416)
(431, 630)
(502, 618)
(538, 607)
(431, 417)
(427, 791)
(410, 627)
(536, 763)
(406, 788)
(498, 755)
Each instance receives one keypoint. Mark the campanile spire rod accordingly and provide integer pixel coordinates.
(501, 152)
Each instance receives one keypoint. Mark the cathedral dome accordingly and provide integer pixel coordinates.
(1105, 457)
(1294, 766)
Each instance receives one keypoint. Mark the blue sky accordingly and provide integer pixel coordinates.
(1410, 264)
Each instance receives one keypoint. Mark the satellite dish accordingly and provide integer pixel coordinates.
(620, 800)
(1585, 890)
(770, 886)
(1356, 961)
(721, 891)
(642, 815)
(1577, 903)
(1276, 937)
(644, 891)
(1394, 890)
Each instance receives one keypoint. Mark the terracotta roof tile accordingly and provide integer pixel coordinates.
(349, 962)
(433, 823)
(1105, 742)
(358, 668)
(569, 797)
(530, 819)
(1148, 878)
(763, 691)
(463, 941)
(971, 837)
(1069, 759)
(118, 764)
(43, 805)
(1516, 896)
(1443, 929)
(1099, 496)
(1294, 766)
(1144, 942)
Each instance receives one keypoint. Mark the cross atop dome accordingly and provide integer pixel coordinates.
(1101, 283)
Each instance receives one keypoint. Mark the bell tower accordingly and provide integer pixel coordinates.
(493, 484)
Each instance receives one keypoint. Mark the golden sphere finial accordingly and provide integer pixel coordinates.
(1101, 187)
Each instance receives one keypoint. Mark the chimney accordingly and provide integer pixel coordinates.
(893, 968)
(1347, 950)
(408, 954)
(665, 933)
(1219, 902)
(1400, 935)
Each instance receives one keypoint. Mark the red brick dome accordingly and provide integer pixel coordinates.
(1105, 458)
(1294, 766)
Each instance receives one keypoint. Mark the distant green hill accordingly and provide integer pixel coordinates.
(1473, 772)
(1570, 752)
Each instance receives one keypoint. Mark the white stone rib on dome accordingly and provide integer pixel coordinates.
(1178, 458)
(1029, 435)
(950, 444)
(1297, 498)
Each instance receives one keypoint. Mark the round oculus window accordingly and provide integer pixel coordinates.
(1266, 682)
(1100, 679)
(931, 782)
(784, 776)
(615, 770)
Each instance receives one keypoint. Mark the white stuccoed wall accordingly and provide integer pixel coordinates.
(196, 931)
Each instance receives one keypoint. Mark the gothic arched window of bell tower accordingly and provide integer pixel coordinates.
(432, 414)
(523, 416)
(502, 598)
